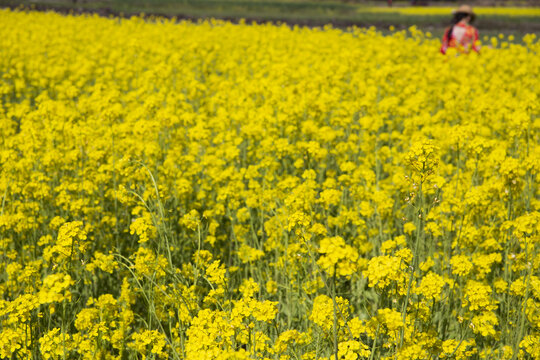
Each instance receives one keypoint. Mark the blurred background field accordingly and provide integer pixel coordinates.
(494, 16)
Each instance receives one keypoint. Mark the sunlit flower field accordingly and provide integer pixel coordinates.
(178, 190)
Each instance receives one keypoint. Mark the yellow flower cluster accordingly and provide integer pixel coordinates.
(208, 190)
(337, 257)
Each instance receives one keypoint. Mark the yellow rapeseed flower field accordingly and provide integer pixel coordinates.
(181, 190)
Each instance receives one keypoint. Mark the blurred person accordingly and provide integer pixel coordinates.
(461, 34)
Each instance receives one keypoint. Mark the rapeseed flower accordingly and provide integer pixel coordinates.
(209, 190)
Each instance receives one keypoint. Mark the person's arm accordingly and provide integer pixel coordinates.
(475, 45)
(444, 43)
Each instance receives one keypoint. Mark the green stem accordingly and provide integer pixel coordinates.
(335, 312)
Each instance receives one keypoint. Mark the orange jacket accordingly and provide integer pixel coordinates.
(464, 37)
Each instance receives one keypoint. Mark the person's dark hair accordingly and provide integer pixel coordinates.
(458, 16)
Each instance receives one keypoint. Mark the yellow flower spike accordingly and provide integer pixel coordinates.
(423, 158)
(382, 271)
(478, 296)
(323, 312)
(55, 345)
(143, 227)
(149, 342)
(337, 255)
(248, 288)
(249, 254)
(55, 288)
(271, 287)
(431, 286)
(71, 243)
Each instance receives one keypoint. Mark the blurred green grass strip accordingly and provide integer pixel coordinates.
(481, 11)
(306, 12)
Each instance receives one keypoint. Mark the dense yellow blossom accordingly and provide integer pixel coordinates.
(323, 312)
(149, 343)
(55, 344)
(478, 296)
(208, 190)
(55, 288)
(431, 286)
(337, 257)
(383, 271)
